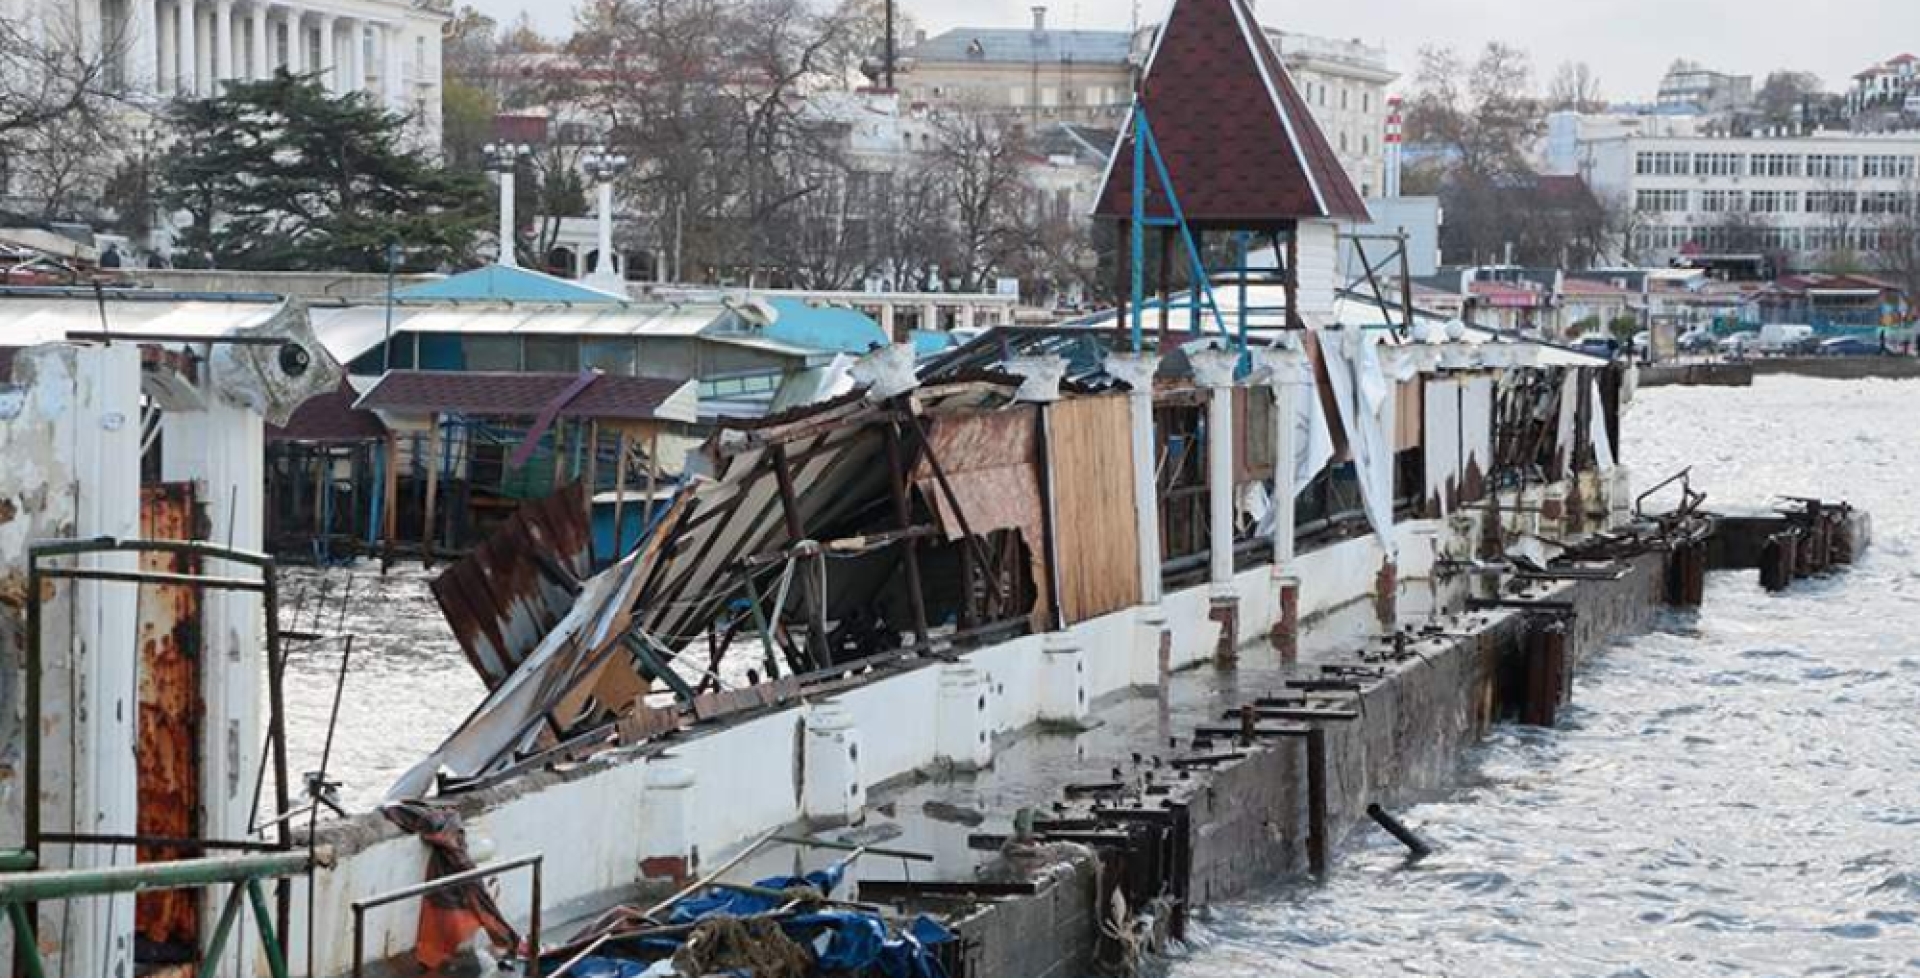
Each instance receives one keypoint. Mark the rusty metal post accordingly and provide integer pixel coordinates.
(1318, 843)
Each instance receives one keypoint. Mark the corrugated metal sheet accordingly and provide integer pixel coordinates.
(499, 601)
(1091, 452)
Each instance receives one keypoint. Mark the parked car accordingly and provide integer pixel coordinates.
(1849, 346)
(1739, 344)
(1641, 343)
(1597, 345)
(1696, 341)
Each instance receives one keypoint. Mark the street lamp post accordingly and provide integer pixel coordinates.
(603, 168)
(502, 159)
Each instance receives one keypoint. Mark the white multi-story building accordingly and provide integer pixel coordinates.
(1048, 75)
(167, 48)
(1690, 191)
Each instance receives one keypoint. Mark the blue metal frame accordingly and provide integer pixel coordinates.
(1143, 146)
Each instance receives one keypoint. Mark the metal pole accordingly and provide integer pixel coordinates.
(386, 346)
(1138, 227)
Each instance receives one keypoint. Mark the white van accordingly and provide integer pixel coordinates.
(1783, 339)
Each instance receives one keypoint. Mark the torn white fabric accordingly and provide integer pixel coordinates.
(1365, 398)
(1569, 413)
(1597, 429)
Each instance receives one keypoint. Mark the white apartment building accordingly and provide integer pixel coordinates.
(1691, 191)
(167, 48)
(1049, 75)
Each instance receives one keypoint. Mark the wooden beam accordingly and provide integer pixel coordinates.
(621, 454)
(390, 516)
(817, 649)
(903, 520)
(593, 482)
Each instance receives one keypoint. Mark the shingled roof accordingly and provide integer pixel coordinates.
(1239, 142)
(525, 395)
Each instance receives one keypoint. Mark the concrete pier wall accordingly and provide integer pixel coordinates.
(748, 777)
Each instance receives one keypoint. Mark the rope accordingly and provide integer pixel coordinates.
(756, 946)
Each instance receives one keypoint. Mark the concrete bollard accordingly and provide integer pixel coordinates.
(964, 725)
(1224, 607)
(1286, 623)
(833, 793)
(1063, 681)
(666, 825)
(1153, 649)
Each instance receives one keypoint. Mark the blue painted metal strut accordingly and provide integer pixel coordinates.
(1144, 145)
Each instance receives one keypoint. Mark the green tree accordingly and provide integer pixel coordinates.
(277, 174)
(466, 123)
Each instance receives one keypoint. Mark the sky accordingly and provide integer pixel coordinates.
(1629, 43)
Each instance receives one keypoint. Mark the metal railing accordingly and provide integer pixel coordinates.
(532, 863)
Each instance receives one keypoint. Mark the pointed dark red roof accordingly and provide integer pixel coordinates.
(1239, 142)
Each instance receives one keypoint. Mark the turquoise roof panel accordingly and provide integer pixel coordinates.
(502, 283)
(833, 328)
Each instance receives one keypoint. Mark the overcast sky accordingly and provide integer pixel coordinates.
(1629, 43)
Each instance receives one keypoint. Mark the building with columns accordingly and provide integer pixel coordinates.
(389, 49)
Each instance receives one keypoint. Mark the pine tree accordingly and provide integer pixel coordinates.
(279, 174)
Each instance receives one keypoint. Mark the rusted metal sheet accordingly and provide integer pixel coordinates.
(503, 598)
(170, 714)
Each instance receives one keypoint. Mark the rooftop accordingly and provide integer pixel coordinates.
(1239, 143)
(994, 45)
(505, 283)
(526, 395)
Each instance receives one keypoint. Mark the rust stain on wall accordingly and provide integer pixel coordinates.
(170, 714)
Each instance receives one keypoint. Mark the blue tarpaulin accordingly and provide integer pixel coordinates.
(841, 941)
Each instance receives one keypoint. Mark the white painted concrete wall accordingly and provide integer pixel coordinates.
(73, 422)
(746, 775)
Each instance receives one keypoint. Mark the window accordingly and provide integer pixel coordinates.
(1833, 202)
(1343, 142)
(553, 354)
(1343, 100)
(1832, 167)
(1716, 164)
(1662, 164)
(1660, 201)
(491, 352)
(1884, 202)
(1774, 202)
(1887, 167)
(1366, 145)
(615, 356)
(1722, 201)
(1773, 165)
(1366, 101)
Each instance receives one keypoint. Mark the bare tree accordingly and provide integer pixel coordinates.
(1483, 114)
(977, 165)
(52, 71)
(1896, 240)
(1780, 97)
(1575, 88)
(60, 89)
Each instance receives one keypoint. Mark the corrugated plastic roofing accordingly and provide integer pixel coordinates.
(519, 394)
(501, 283)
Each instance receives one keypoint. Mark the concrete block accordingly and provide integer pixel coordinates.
(963, 734)
(1064, 697)
(832, 791)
